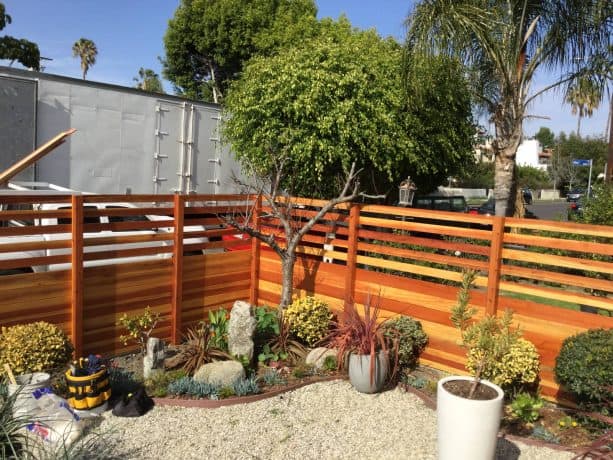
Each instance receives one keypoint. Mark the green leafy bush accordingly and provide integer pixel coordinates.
(526, 407)
(517, 367)
(267, 322)
(584, 368)
(34, 347)
(218, 325)
(411, 339)
(309, 319)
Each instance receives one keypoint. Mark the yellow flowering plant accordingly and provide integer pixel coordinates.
(139, 327)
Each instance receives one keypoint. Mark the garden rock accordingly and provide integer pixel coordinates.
(222, 373)
(317, 356)
(154, 359)
(240, 330)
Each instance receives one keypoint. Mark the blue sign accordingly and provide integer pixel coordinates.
(582, 162)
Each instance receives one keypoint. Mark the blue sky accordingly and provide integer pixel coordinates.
(129, 34)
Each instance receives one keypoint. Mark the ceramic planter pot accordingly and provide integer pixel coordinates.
(467, 428)
(359, 372)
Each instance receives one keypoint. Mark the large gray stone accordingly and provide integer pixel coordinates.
(317, 356)
(240, 330)
(154, 358)
(220, 373)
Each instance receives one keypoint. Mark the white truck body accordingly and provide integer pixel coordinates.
(92, 236)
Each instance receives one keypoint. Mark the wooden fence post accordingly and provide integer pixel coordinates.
(177, 270)
(493, 274)
(352, 253)
(256, 245)
(76, 274)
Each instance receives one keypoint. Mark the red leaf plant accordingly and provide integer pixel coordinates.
(363, 335)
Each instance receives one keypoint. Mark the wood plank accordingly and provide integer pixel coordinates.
(559, 243)
(589, 265)
(561, 227)
(33, 157)
(76, 276)
(549, 293)
(555, 277)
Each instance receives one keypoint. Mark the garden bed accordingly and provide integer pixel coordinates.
(557, 427)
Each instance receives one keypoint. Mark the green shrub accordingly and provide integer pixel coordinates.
(411, 339)
(309, 319)
(34, 347)
(526, 407)
(267, 323)
(330, 363)
(158, 381)
(516, 368)
(139, 327)
(584, 368)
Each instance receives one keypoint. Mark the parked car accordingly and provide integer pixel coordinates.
(488, 208)
(526, 193)
(441, 203)
(575, 194)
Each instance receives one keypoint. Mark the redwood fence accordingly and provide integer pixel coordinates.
(557, 277)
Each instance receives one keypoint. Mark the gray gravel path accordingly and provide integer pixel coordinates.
(327, 420)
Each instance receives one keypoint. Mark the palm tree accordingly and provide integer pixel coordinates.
(584, 98)
(148, 80)
(503, 44)
(87, 51)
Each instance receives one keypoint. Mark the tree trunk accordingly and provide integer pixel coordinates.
(504, 190)
(508, 138)
(287, 279)
(579, 126)
(609, 169)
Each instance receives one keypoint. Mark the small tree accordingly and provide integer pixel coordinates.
(282, 207)
(488, 340)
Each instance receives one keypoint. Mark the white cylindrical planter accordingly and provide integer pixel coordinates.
(359, 372)
(467, 428)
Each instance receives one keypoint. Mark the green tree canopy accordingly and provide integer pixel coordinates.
(208, 41)
(545, 136)
(148, 80)
(14, 49)
(337, 99)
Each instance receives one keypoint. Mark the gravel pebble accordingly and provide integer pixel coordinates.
(327, 420)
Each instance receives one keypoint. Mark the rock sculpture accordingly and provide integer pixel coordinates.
(154, 357)
(240, 330)
(222, 373)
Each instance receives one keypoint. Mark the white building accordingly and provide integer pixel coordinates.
(531, 153)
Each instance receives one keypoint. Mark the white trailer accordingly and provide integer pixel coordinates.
(127, 140)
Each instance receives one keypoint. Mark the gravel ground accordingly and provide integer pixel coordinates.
(326, 420)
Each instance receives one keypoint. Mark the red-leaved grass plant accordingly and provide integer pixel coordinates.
(363, 335)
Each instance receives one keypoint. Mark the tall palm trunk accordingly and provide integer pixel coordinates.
(508, 124)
